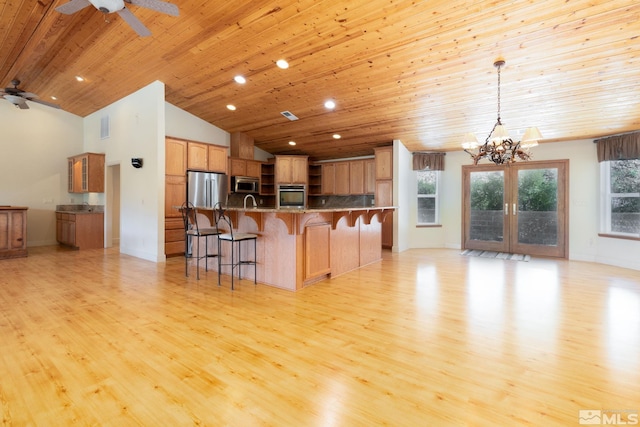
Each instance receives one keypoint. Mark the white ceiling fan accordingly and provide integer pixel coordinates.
(118, 6)
(19, 98)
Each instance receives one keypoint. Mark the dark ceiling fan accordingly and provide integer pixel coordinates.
(118, 6)
(19, 98)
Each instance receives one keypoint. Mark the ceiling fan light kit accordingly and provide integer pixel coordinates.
(19, 98)
(498, 146)
(119, 7)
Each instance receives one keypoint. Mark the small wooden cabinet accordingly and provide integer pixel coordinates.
(175, 156)
(292, 169)
(384, 162)
(86, 173)
(241, 146)
(13, 232)
(356, 177)
(370, 176)
(328, 178)
(216, 158)
(342, 179)
(80, 230)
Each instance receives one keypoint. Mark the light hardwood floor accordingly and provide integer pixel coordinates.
(423, 338)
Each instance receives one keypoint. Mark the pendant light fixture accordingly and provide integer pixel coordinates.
(499, 147)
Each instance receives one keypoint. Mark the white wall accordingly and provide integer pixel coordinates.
(181, 124)
(137, 130)
(584, 242)
(402, 179)
(34, 146)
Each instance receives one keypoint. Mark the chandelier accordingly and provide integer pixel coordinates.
(499, 147)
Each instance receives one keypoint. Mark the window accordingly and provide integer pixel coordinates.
(428, 197)
(620, 191)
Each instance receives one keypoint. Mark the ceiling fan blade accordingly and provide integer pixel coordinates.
(48, 104)
(73, 6)
(134, 22)
(17, 101)
(157, 5)
(27, 95)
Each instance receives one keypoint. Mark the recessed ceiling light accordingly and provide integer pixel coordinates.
(282, 64)
(240, 79)
(336, 136)
(80, 78)
(292, 143)
(53, 97)
(330, 104)
(231, 107)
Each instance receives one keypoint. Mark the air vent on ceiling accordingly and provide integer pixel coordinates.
(104, 127)
(289, 115)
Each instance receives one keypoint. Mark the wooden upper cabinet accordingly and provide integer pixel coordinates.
(342, 179)
(175, 157)
(241, 146)
(370, 176)
(384, 193)
(292, 169)
(384, 162)
(356, 177)
(254, 168)
(197, 156)
(328, 178)
(206, 157)
(216, 158)
(86, 173)
(237, 167)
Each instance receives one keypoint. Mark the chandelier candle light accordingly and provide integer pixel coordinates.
(499, 147)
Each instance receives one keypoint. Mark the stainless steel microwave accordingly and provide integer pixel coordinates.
(292, 196)
(245, 184)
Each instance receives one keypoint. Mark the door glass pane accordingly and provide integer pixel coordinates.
(486, 204)
(538, 206)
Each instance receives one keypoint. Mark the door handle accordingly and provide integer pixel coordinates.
(506, 209)
(515, 210)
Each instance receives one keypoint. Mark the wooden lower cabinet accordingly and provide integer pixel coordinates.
(317, 259)
(13, 233)
(174, 243)
(80, 230)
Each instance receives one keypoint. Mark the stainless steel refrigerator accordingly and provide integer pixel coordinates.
(205, 189)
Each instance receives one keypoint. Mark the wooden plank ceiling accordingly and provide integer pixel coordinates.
(417, 71)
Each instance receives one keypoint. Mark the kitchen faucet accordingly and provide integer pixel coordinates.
(255, 205)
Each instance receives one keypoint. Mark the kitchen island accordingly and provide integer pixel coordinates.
(298, 247)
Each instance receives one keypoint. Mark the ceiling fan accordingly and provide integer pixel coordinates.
(118, 6)
(19, 98)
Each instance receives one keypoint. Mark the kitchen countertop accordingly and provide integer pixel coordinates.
(80, 209)
(12, 208)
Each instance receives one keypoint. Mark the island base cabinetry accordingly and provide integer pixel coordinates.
(296, 249)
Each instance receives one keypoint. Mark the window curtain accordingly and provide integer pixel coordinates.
(618, 147)
(428, 161)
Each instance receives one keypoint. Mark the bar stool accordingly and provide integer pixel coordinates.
(192, 234)
(226, 234)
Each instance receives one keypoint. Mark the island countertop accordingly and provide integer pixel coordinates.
(305, 210)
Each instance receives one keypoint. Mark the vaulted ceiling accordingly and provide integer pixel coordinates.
(417, 71)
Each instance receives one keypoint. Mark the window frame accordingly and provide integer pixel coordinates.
(606, 197)
(435, 196)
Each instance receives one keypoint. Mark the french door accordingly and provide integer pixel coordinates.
(520, 208)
